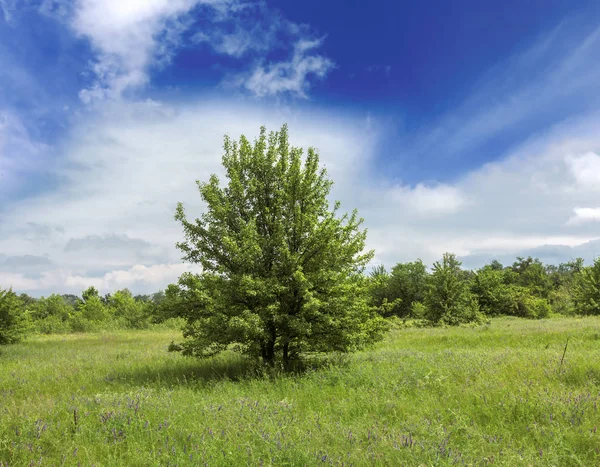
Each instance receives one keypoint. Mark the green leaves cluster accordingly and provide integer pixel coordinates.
(14, 322)
(282, 272)
(451, 295)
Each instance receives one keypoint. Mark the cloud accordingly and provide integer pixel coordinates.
(129, 37)
(583, 215)
(139, 278)
(110, 221)
(20, 154)
(135, 37)
(290, 77)
(555, 78)
(7, 8)
(585, 169)
(107, 242)
(422, 199)
(122, 174)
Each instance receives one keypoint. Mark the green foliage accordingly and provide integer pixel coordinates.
(282, 271)
(14, 323)
(129, 313)
(379, 292)
(586, 293)
(498, 295)
(526, 305)
(448, 299)
(90, 314)
(408, 283)
(493, 293)
(531, 274)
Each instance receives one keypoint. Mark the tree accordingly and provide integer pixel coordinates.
(448, 299)
(131, 313)
(379, 292)
(531, 273)
(13, 318)
(492, 292)
(90, 313)
(408, 284)
(586, 294)
(282, 272)
(89, 293)
(50, 315)
(496, 295)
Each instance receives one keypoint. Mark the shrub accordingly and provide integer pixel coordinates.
(448, 299)
(14, 322)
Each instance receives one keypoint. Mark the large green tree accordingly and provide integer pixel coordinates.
(282, 271)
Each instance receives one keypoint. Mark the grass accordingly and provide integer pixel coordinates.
(496, 394)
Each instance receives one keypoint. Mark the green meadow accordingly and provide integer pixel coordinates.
(496, 394)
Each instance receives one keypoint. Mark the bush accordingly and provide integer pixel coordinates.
(51, 325)
(448, 299)
(587, 290)
(526, 305)
(14, 322)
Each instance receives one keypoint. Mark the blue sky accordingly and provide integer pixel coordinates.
(465, 126)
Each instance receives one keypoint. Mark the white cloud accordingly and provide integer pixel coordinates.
(426, 200)
(126, 35)
(133, 37)
(583, 215)
(585, 169)
(124, 171)
(288, 77)
(139, 278)
(122, 175)
(557, 76)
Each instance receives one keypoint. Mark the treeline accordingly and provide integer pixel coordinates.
(451, 295)
(445, 295)
(58, 314)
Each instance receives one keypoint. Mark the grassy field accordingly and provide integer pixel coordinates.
(496, 394)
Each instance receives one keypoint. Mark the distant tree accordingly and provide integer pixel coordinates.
(531, 273)
(13, 319)
(50, 315)
(282, 273)
(586, 293)
(408, 284)
(448, 299)
(106, 298)
(497, 295)
(131, 313)
(90, 292)
(492, 292)
(90, 313)
(564, 278)
(27, 300)
(380, 293)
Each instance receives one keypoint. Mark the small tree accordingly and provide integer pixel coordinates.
(448, 299)
(282, 273)
(586, 293)
(129, 312)
(408, 284)
(13, 318)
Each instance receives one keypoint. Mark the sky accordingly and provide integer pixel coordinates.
(467, 127)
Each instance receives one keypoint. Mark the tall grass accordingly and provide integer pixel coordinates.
(496, 394)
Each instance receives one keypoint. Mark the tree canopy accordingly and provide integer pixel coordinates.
(282, 271)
